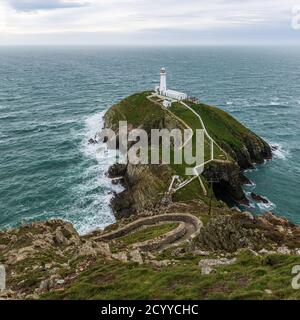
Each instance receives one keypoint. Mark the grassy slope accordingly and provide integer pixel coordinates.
(185, 114)
(227, 131)
(137, 110)
(249, 278)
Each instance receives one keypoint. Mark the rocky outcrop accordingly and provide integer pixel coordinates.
(228, 181)
(258, 198)
(254, 150)
(35, 256)
(242, 230)
(208, 265)
(146, 185)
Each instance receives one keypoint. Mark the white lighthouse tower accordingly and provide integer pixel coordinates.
(167, 93)
(163, 81)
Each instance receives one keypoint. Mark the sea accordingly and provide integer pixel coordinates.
(52, 100)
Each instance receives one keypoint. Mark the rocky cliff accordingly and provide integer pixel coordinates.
(145, 185)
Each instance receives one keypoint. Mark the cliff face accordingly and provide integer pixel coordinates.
(244, 146)
(145, 185)
(242, 230)
(49, 260)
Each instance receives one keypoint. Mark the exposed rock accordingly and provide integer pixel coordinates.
(284, 250)
(117, 170)
(160, 263)
(229, 183)
(268, 291)
(208, 264)
(44, 286)
(201, 253)
(265, 251)
(103, 249)
(121, 256)
(151, 256)
(239, 230)
(16, 256)
(8, 294)
(143, 185)
(245, 180)
(92, 141)
(205, 270)
(258, 198)
(178, 252)
(60, 281)
(91, 248)
(59, 237)
(135, 256)
(248, 214)
(274, 148)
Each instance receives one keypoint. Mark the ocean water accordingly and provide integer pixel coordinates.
(52, 100)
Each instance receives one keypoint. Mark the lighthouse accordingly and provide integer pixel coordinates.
(163, 81)
(167, 93)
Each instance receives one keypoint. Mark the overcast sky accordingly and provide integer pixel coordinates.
(158, 22)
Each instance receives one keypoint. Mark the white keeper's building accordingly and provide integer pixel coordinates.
(163, 91)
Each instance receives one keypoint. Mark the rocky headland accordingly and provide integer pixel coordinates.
(178, 245)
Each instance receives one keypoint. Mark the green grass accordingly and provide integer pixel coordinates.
(137, 110)
(223, 128)
(246, 279)
(191, 119)
(147, 233)
(226, 130)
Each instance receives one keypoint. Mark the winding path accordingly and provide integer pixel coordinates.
(189, 227)
(200, 167)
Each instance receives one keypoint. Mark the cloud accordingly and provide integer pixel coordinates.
(134, 19)
(34, 5)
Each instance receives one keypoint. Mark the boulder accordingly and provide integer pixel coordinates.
(121, 256)
(59, 237)
(284, 250)
(93, 141)
(258, 198)
(136, 256)
(201, 253)
(44, 286)
(117, 170)
(205, 270)
(87, 249)
(207, 265)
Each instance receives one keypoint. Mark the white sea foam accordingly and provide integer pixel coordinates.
(263, 207)
(251, 185)
(275, 101)
(259, 206)
(280, 152)
(252, 169)
(92, 196)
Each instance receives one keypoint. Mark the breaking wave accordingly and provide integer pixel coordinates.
(92, 196)
(279, 152)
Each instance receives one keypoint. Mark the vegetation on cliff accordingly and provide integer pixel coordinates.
(207, 253)
(236, 148)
